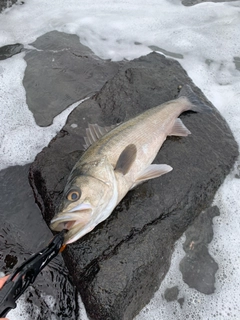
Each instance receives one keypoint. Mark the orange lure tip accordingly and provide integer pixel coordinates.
(62, 248)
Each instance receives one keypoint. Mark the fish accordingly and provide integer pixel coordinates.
(116, 160)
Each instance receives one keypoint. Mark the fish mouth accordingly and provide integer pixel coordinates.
(74, 221)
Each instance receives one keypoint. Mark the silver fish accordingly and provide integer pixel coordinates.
(116, 161)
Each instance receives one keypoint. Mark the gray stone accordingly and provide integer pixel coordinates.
(237, 175)
(60, 72)
(120, 264)
(166, 53)
(171, 294)
(236, 61)
(194, 2)
(10, 50)
(181, 302)
(198, 266)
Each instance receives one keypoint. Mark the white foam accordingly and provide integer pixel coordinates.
(20, 312)
(207, 35)
(82, 313)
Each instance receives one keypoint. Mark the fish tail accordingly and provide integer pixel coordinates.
(196, 104)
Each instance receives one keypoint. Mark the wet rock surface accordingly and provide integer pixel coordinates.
(198, 267)
(171, 294)
(60, 72)
(10, 50)
(194, 2)
(120, 264)
(23, 232)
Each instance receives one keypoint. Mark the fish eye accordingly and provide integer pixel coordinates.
(73, 195)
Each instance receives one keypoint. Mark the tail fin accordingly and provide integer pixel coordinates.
(197, 105)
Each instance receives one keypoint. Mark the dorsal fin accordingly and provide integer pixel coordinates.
(95, 132)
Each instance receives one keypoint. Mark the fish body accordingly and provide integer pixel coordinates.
(115, 162)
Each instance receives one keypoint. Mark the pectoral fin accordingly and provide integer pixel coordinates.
(151, 172)
(179, 129)
(126, 159)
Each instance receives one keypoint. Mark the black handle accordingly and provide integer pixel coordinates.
(26, 274)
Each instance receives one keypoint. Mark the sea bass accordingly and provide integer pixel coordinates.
(116, 161)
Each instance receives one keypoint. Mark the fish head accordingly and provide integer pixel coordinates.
(85, 199)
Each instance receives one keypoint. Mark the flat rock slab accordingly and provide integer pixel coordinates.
(60, 72)
(120, 264)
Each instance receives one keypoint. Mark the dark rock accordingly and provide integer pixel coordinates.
(120, 264)
(10, 50)
(237, 175)
(61, 72)
(236, 61)
(198, 267)
(6, 4)
(167, 53)
(171, 294)
(188, 3)
(24, 232)
(201, 231)
(181, 302)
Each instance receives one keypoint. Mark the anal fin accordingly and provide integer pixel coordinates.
(179, 129)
